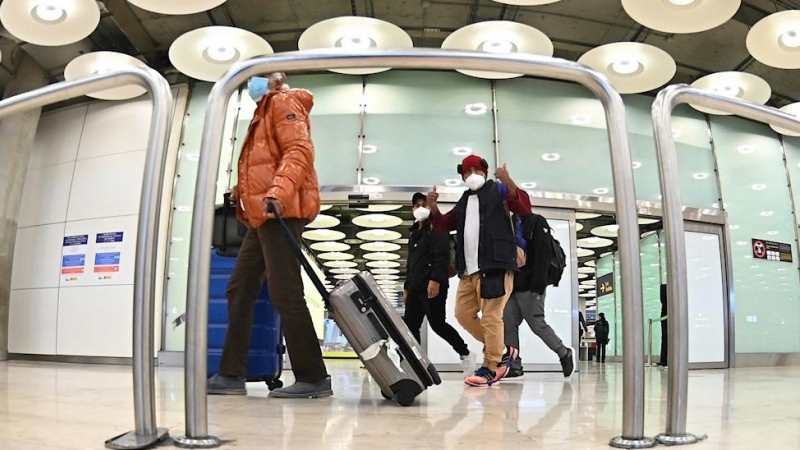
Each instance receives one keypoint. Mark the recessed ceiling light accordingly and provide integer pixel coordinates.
(177, 7)
(700, 176)
(462, 151)
(745, 149)
(207, 53)
(772, 233)
(681, 2)
(528, 185)
(551, 157)
(355, 34)
(476, 109)
(498, 37)
(734, 227)
(50, 22)
(636, 165)
(452, 182)
(580, 119)
(601, 191)
(369, 149)
(371, 181)
(741, 243)
(767, 213)
(758, 187)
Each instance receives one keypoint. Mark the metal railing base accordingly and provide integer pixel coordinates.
(623, 442)
(197, 442)
(677, 439)
(131, 440)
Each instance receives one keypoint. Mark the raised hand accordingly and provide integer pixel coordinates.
(433, 197)
(502, 173)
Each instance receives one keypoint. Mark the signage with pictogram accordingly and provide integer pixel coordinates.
(605, 285)
(771, 251)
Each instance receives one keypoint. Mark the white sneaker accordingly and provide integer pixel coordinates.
(468, 364)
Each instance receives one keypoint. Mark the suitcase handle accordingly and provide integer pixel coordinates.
(298, 253)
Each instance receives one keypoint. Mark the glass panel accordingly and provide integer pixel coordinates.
(706, 301)
(649, 249)
(422, 124)
(606, 303)
(753, 178)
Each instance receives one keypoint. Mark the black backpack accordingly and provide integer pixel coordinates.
(558, 262)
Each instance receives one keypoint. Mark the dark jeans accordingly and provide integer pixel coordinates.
(419, 306)
(601, 352)
(266, 252)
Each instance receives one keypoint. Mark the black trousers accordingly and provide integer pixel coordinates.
(419, 306)
(601, 352)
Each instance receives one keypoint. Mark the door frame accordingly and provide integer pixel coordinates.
(728, 319)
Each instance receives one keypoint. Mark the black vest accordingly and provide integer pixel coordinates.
(497, 248)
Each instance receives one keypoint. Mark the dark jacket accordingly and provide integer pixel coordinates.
(428, 257)
(601, 331)
(539, 251)
(497, 249)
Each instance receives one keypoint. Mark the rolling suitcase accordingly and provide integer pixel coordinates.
(265, 358)
(376, 332)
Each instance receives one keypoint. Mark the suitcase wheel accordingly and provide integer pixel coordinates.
(274, 384)
(405, 397)
(386, 396)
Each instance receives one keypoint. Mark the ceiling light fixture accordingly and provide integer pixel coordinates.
(476, 109)
(529, 185)
(369, 149)
(758, 187)
(681, 16)
(700, 176)
(50, 23)
(775, 40)
(177, 7)
(745, 149)
(550, 157)
(626, 67)
(636, 165)
(580, 119)
(49, 11)
(356, 42)
(498, 37)
(601, 191)
(372, 181)
(767, 213)
(97, 63)
(681, 2)
(772, 233)
(452, 182)
(207, 53)
(462, 151)
(793, 109)
(742, 85)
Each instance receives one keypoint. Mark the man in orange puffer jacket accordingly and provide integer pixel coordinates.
(276, 166)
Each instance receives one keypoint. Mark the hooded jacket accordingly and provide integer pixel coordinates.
(277, 159)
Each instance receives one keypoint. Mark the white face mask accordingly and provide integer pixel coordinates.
(475, 181)
(422, 213)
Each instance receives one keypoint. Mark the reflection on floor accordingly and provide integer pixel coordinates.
(50, 406)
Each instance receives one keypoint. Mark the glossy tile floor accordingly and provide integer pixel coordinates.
(53, 406)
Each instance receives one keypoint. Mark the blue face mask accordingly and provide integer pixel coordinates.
(258, 87)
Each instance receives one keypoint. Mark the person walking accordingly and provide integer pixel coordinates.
(602, 329)
(276, 167)
(486, 259)
(527, 301)
(425, 289)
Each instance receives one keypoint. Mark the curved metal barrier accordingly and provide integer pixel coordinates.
(677, 290)
(202, 222)
(146, 432)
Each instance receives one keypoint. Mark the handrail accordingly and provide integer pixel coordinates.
(677, 290)
(146, 432)
(622, 171)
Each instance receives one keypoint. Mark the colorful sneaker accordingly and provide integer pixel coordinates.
(506, 362)
(568, 363)
(515, 374)
(481, 377)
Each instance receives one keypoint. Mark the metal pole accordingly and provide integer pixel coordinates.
(677, 291)
(436, 59)
(495, 124)
(146, 432)
(650, 342)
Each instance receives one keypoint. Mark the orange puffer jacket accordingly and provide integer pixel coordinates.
(277, 159)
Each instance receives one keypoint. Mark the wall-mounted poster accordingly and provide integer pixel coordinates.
(772, 251)
(73, 258)
(108, 249)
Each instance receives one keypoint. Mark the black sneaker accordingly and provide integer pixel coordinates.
(568, 363)
(515, 374)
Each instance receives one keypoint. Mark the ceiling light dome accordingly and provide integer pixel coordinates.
(207, 53)
(97, 63)
(498, 37)
(355, 34)
(793, 109)
(632, 67)
(50, 22)
(775, 40)
(526, 2)
(177, 7)
(745, 86)
(681, 16)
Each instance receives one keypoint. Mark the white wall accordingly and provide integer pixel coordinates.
(84, 178)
